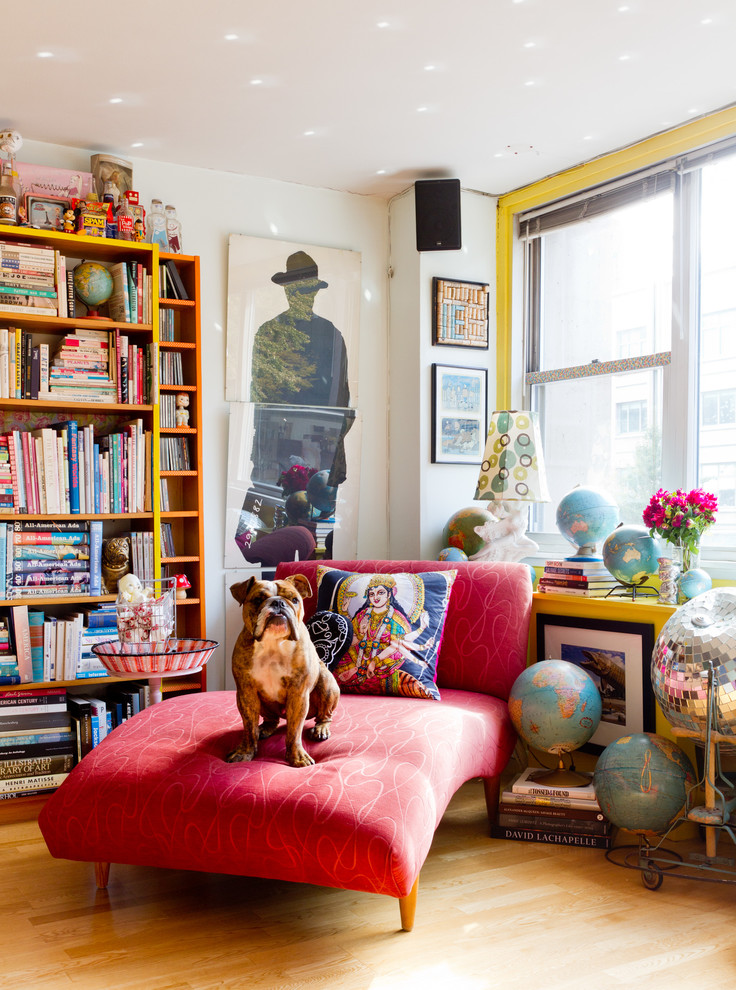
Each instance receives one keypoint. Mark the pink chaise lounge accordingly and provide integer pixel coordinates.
(158, 792)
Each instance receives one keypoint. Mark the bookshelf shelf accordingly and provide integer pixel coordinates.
(145, 351)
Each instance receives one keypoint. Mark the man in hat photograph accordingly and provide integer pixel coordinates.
(299, 357)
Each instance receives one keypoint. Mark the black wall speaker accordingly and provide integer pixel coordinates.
(437, 206)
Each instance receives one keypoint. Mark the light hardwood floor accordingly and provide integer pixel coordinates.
(490, 914)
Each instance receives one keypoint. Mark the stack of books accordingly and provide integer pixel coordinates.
(51, 558)
(588, 578)
(28, 279)
(531, 811)
(83, 368)
(37, 745)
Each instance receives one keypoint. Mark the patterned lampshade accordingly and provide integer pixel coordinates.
(513, 468)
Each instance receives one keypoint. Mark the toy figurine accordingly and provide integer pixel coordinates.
(69, 221)
(173, 230)
(157, 225)
(182, 409)
(182, 583)
(22, 218)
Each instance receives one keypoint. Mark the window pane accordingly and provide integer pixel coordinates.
(717, 434)
(583, 445)
(606, 287)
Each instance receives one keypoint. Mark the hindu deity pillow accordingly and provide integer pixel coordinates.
(397, 622)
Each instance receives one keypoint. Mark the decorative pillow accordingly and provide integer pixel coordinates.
(397, 622)
(331, 634)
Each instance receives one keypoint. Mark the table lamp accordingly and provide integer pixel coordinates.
(511, 477)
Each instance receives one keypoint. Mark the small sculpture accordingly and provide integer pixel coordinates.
(130, 588)
(182, 583)
(69, 221)
(182, 409)
(173, 230)
(115, 562)
(505, 538)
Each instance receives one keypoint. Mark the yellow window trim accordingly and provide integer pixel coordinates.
(652, 150)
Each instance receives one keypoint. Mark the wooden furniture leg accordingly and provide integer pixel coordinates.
(102, 874)
(408, 907)
(492, 788)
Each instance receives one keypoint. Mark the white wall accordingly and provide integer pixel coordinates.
(212, 205)
(422, 495)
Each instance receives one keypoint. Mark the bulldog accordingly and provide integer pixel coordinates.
(277, 671)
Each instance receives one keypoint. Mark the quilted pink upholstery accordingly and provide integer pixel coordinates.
(157, 791)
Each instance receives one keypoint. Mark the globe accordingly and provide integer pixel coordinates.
(585, 517)
(642, 781)
(322, 496)
(298, 508)
(694, 582)
(555, 706)
(452, 553)
(459, 531)
(630, 554)
(93, 285)
(699, 637)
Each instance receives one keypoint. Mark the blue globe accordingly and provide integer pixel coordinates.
(694, 582)
(630, 554)
(585, 517)
(93, 284)
(641, 782)
(322, 496)
(555, 706)
(452, 553)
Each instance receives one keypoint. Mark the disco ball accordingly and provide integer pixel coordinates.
(701, 633)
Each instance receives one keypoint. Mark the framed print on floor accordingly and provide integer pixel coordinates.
(459, 414)
(617, 655)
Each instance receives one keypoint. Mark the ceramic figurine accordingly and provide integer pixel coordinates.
(182, 409)
(182, 583)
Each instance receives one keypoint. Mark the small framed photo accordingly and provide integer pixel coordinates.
(46, 212)
(459, 313)
(459, 414)
(617, 656)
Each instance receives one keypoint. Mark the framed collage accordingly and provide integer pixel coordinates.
(459, 414)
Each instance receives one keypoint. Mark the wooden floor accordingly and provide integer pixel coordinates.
(490, 914)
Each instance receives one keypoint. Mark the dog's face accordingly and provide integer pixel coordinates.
(272, 609)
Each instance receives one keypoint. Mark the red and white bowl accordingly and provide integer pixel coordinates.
(155, 658)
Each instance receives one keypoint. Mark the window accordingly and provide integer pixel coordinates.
(630, 336)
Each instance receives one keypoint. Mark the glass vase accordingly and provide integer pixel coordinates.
(686, 558)
(669, 573)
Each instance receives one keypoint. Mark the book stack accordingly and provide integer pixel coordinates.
(84, 368)
(99, 626)
(28, 279)
(9, 672)
(45, 558)
(588, 578)
(531, 811)
(37, 748)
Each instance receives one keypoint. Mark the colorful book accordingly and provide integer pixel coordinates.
(21, 638)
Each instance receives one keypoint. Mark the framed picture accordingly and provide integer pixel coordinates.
(459, 313)
(46, 212)
(617, 656)
(459, 414)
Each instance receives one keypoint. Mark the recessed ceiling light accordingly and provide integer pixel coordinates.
(256, 82)
(381, 171)
(45, 54)
(137, 144)
(231, 37)
(588, 137)
(707, 20)
(530, 44)
(382, 24)
(308, 133)
(693, 111)
(623, 9)
(529, 82)
(421, 109)
(429, 68)
(116, 99)
(624, 58)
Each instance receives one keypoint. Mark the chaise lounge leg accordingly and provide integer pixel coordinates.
(102, 874)
(492, 788)
(408, 907)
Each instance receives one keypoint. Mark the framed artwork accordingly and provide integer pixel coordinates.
(617, 656)
(63, 183)
(459, 414)
(293, 484)
(460, 313)
(293, 321)
(46, 212)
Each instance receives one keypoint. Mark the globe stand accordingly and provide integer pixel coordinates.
(643, 590)
(561, 776)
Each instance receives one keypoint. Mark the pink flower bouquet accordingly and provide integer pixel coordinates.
(681, 517)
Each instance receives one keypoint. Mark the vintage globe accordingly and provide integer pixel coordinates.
(93, 284)
(642, 782)
(585, 517)
(459, 531)
(698, 638)
(321, 495)
(630, 554)
(555, 706)
(452, 553)
(694, 582)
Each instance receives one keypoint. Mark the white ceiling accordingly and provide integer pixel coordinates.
(366, 95)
